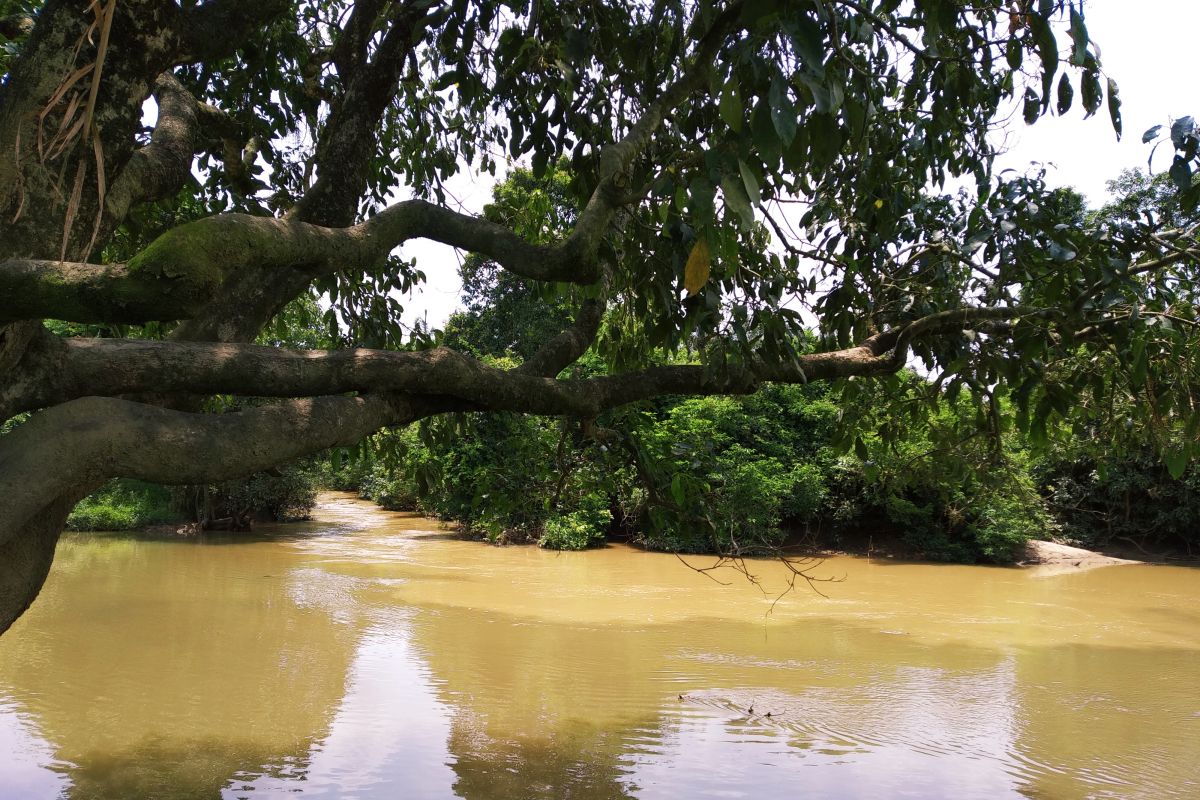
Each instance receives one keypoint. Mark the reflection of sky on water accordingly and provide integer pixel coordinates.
(24, 758)
(387, 739)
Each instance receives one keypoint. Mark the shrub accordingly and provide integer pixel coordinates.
(577, 530)
(388, 489)
(122, 505)
(1128, 498)
(287, 495)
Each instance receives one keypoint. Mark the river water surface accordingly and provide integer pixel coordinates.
(370, 655)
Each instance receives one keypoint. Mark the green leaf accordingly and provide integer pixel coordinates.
(1151, 134)
(808, 40)
(826, 139)
(1065, 94)
(1114, 106)
(766, 139)
(1032, 107)
(783, 112)
(677, 492)
(1079, 38)
(1047, 47)
(1139, 362)
(1176, 460)
(750, 181)
(1181, 173)
(860, 448)
(1014, 53)
(755, 12)
(735, 198)
(1181, 130)
(700, 200)
(730, 107)
(1090, 89)
(822, 99)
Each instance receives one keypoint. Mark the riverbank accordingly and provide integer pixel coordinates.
(1045, 557)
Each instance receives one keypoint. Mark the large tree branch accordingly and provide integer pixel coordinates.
(64, 370)
(349, 53)
(92, 439)
(160, 168)
(242, 307)
(238, 310)
(351, 132)
(566, 348)
(179, 272)
(616, 159)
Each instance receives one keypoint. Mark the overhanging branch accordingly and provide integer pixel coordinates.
(179, 272)
(115, 367)
(92, 439)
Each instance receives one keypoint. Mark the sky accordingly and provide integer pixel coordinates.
(1148, 46)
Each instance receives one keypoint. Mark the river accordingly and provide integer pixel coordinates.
(370, 655)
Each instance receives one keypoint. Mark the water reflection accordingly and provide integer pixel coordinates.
(370, 656)
(388, 721)
(28, 771)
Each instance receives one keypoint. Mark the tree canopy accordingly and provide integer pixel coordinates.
(738, 172)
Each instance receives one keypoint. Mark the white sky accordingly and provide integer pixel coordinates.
(1148, 46)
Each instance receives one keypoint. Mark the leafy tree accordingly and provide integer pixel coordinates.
(686, 126)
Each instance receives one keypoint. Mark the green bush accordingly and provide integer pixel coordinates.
(388, 489)
(343, 474)
(577, 530)
(123, 505)
(1128, 498)
(287, 495)
(733, 473)
(282, 495)
(949, 492)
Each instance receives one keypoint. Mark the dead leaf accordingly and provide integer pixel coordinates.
(695, 272)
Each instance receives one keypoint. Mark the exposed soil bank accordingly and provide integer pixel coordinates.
(1051, 558)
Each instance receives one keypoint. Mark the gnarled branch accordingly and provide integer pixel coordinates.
(160, 168)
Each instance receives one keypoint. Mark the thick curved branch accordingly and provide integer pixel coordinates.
(349, 141)
(160, 168)
(566, 348)
(617, 158)
(181, 270)
(349, 52)
(244, 306)
(92, 439)
(67, 369)
(350, 137)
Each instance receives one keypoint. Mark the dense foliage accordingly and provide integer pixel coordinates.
(123, 505)
(958, 479)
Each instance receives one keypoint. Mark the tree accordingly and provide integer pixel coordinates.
(285, 130)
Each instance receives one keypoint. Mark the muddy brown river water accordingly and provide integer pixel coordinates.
(371, 655)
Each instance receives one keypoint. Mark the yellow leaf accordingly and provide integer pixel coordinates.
(879, 204)
(695, 272)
